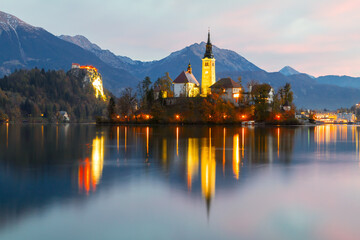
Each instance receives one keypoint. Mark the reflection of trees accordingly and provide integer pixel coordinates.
(40, 165)
(265, 145)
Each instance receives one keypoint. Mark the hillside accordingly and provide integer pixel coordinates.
(33, 93)
(24, 46)
(226, 60)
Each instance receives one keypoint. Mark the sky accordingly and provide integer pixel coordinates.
(318, 37)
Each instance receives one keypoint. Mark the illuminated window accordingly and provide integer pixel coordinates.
(206, 64)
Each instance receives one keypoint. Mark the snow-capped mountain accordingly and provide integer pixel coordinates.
(25, 46)
(288, 71)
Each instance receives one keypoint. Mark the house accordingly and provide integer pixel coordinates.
(228, 89)
(63, 116)
(186, 85)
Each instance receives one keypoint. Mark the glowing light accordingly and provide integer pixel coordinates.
(208, 170)
(117, 116)
(224, 116)
(177, 141)
(243, 116)
(236, 156)
(192, 160)
(147, 141)
(118, 138)
(95, 79)
(224, 151)
(236, 95)
(278, 117)
(125, 138)
(164, 151)
(147, 117)
(177, 117)
(97, 160)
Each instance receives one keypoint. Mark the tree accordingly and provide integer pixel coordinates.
(260, 97)
(165, 84)
(127, 102)
(286, 95)
(142, 89)
(111, 108)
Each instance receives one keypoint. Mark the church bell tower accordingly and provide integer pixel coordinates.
(208, 69)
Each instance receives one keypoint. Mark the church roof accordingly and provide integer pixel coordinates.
(226, 83)
(186, 77)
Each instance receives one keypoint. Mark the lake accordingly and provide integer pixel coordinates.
(179, 182)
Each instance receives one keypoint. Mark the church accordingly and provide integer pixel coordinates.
(186, 85)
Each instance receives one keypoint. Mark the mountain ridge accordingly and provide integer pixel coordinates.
(29, 47)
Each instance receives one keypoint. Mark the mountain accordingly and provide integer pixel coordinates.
(25, 46)
(341, 81)
(288, 71)
(175, 63)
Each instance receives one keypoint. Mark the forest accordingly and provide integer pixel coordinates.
(38, 96)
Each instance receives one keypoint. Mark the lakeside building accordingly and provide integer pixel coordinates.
(228, 89)
(331, 117)
(186, 85)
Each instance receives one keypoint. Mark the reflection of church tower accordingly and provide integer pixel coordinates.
(208, 171)
(208, 69)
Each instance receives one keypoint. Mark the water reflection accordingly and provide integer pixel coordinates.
(61, 162)
(89, 173)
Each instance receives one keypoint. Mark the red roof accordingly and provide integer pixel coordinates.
(186, 77)
(226, 83)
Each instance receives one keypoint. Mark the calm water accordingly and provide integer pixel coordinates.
(88, 182)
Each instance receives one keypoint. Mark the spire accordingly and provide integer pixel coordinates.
(189, 69)
(208, 52)
(209, 42)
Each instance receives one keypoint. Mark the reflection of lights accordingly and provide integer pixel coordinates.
(89, 174)
(236, 156)
(208, 169)
(192, 160)
(278, 142)
(177, 141)
(243, 141)
(125, 138)
(147, 141)
(97, 160)
(7, 135)
(164, 150)
(117, 137)
(224, 151)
